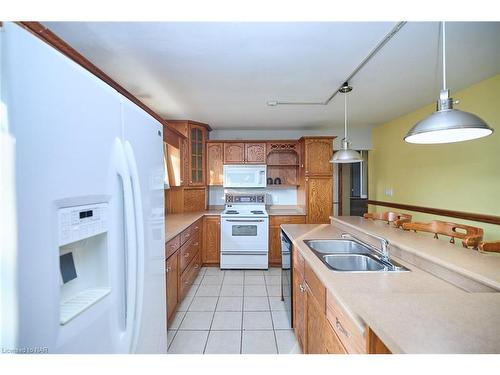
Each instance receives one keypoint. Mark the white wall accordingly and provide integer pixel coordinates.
(280, 196)
(360, 138)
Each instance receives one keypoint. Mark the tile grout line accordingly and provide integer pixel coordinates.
(242, 313)
(185, 313)
(215, 309)
(271, 314)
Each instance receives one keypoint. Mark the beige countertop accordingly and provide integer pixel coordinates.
(176, 223)
(278, 210)
(412, 312)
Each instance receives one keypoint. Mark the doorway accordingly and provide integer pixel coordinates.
(351, 189)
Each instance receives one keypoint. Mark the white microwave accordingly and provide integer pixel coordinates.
(245, 176)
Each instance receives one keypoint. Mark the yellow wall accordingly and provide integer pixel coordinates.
(462, 176)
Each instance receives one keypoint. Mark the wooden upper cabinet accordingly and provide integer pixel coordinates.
(317, 154)
(193, 149)
(215, 163)
(255, 153)
(234, 153)
(175, 149)
(197, 155)
(319, 199)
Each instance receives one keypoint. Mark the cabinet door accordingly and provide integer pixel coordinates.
(184, 162)
(211, 240)
(194, 199)
(316, 324)
(197, 155)
(299, 306)
(172, 277)
(319, 196)
(317, 153)
(274, 246)
(234, 153)
(215, 163)
(255, 153)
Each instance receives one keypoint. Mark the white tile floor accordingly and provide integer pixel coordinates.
(232, 312)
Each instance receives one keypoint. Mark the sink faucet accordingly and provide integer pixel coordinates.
(384, 244)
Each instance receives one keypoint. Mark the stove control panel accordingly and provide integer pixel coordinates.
(246, 198)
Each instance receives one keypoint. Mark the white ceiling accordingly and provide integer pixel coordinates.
(224, 73)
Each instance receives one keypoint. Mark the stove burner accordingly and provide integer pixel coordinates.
(232, 212)
(257, 212)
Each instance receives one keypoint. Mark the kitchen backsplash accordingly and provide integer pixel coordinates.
(281, 196)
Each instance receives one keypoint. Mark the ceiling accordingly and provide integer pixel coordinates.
(225, 73)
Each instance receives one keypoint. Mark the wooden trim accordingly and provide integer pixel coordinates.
(490, 219)
(251, 140)
(192, 122)
(42, 32)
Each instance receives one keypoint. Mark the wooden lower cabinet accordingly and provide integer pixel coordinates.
(321, 325)
(275, 222)
(299, 301)
(210, 253)
(172, 278)
(182, 265)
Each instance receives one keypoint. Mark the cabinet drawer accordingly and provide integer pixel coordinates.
(315, 287)
(349, 333)
(188, 276)
(172, 246)
(278, 220)
(190, 231)
(332, 342)
(189, 251)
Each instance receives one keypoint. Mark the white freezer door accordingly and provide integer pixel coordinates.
(143, 140)
(65, 122)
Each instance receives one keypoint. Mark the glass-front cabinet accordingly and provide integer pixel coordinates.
(192, 150)
(197, 148)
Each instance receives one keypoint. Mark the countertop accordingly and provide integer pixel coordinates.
(176, 223)
(411, 312)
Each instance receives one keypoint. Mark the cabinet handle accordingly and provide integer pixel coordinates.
(196, 243)
(341, 328)
(167, 269)
(302, 289)
(186, 255)
(196, 266)
(307, 171)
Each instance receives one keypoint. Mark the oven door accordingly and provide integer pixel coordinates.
(244, 234)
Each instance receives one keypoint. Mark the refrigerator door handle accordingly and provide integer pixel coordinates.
(131, 243)
(137, 194)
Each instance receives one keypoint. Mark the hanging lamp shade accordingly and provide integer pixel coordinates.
(447, 125)
(346, 154)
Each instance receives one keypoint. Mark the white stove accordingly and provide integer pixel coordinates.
(244, 232)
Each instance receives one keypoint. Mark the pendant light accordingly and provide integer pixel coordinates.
(345, 154)
(447, 125)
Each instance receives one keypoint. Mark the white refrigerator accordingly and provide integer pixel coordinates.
(88, 270)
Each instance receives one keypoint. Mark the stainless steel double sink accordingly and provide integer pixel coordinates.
(352, 255)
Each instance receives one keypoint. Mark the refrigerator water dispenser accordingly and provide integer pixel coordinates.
(83, 258)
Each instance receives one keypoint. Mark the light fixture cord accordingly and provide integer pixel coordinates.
(444, 53)
(345, 116)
